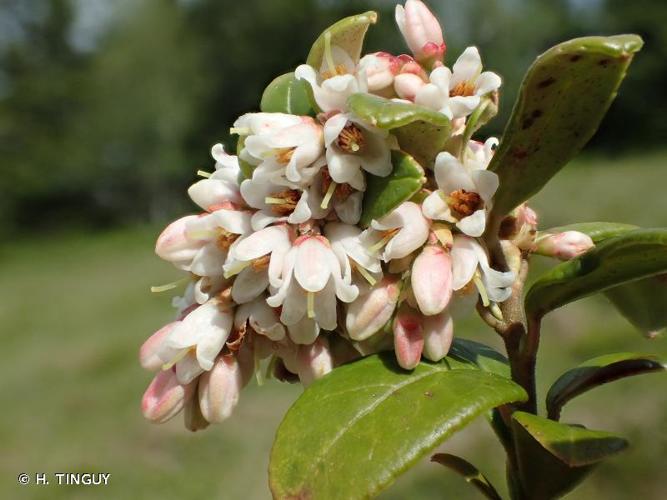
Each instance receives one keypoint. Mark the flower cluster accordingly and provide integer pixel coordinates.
(280, 268)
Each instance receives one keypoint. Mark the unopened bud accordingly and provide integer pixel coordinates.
(438, 335)
(408, 337)
(148, 357)
(432, 279)
(314, 361)
(380, 69)
(563, 246)
(422, 31)
(369, 312)
(220, 388)
(173, 245)
(165, 397)
(407, 85)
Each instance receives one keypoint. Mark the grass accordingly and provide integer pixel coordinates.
(75, 309)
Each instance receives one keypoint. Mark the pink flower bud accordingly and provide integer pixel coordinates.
(148, 357)
(406, 85)
(408, 337)
(164, 398)
(173, 246)
(220, 388)
(438, 336)
(526, 216)
(369, 312)
(314, 361)
(380, 69)
(564, 246)
(432, 279)
(192, 418)
(422, 31)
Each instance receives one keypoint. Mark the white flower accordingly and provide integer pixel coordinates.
(312, 278)
(261, 318)
(222, 186)
(193, 344)
(257, 260)
(456, 94)
(335, 81)
(463, 195)
(352, 146)
(346, 243)
(467, 257)
(400, 232)
(289, 145)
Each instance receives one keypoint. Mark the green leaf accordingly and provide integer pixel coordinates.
(286, 94)
(383, 194)
(469, 472)
(354, 431)
(420, 131)
(348, 34)
(562, 100)
(481, 355)
(554, 457)
(595, 372)
(630, 256)
(641, 302)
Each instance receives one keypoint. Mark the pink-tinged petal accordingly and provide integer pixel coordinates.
(371, 311)
(564, 246)
(304, 331)
(312, 270)
(219, 389)
(210, 192)
(249, 284)
(486, 183)
(438, 336)
(431, 279)
(421, 30)
(474, 224)
(409, 86)
(379, 68)
(314, 361)
(487, 82)
(173, 245)
(165, 397)
(408, 337)
(464, 261)
(467, 67)
(259, 243)
(148, 352)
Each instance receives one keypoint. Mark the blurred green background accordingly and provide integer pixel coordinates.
(108, 108)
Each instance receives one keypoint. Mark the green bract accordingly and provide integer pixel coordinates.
(352, 432)
(420, 131)
(348, 34)
(562, 100)
(383, 194)
(286, 94)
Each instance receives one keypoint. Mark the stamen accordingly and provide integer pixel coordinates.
(351, 139)
(310, 300)
(361, 270)
(327, 197)
(497, 313)
(274, 201)
(328, 54)
(482, 289)
(240, 130)
(177, 358)
(388, 236)
(204, 174)
(170, 286)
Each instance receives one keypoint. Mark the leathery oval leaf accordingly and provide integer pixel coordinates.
(595, 372)
(383, 194)
(554, 457)
(562, 100)
(355, 430)
(348, 34)
(286, 94)
(420, 131)
(632, 255)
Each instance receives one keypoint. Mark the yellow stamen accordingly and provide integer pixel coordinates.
(388, 236)
(310, 300)
(237, 268)
(274, 201)
(328, 54)
(482, 289)
(177, 358)
(364, 273)
(328, 195)
(240, 130)
(169, 286)
(497, 313)
(202, 173)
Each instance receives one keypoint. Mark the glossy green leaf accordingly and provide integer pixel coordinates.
(630, 256)
(596, 372)
(481, 355)
(554, 457)
(643, 302)
(420, 131)
(286, 94)
(469, 472)
(354, 431)
(383, 194)
(348, 34)
(562, 100)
